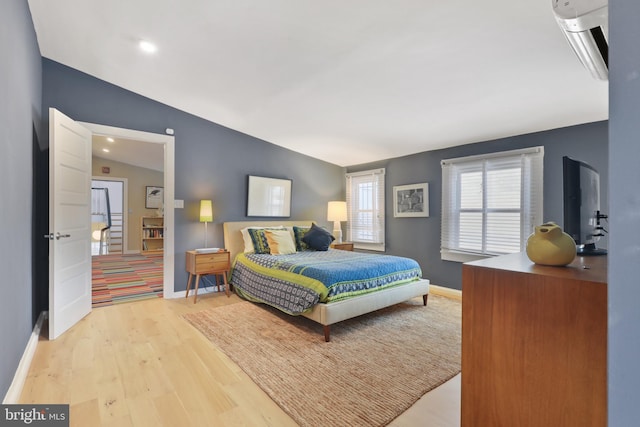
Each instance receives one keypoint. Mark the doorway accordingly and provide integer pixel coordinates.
(121, 270)
(166, 145)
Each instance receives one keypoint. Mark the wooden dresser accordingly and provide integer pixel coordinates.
(534, 343)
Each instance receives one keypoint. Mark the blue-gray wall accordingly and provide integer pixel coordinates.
(419, 238)
(211, 161)
(20, 92)
(624, 178)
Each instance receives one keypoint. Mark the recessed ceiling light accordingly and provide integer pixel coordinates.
(147, 47)
(106, 150)
(110, 139)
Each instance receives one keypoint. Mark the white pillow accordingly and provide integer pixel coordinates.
(246, 238)
(280, 242)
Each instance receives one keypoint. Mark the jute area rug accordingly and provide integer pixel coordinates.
(375, 367)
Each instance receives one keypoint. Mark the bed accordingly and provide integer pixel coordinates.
(329, 308)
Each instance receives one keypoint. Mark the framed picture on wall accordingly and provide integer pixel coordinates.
(268, 197)
(155, 197)
(411, 200)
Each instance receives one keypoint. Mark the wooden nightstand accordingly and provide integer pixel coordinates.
(202, 264)
(344, 246)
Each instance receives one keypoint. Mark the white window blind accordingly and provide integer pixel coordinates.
(365, 209)
(490, 203)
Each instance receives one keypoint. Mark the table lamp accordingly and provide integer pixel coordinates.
(206, 215)
(336, 212)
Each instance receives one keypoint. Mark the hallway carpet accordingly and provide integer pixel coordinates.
(123, 278)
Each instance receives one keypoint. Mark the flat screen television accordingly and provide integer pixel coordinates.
(581, 200)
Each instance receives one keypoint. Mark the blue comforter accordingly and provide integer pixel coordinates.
(295, 283)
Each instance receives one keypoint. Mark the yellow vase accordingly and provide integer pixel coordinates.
(549, 245)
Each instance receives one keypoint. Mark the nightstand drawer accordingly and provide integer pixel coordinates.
(203, 263)
(212, 261)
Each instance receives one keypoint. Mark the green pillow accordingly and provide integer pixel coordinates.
(298, 233)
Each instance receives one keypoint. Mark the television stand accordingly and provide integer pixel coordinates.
(534, 343)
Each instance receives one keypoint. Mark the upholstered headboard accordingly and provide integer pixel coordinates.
(233, 236)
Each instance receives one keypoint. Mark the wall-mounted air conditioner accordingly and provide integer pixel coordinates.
(585, 24)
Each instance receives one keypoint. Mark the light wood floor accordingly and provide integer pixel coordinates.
(141, 364)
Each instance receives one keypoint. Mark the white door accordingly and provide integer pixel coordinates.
(69, 222)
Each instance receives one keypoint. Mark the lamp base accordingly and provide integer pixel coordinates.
(337, 231)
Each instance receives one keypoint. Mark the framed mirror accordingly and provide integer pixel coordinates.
(268, 197)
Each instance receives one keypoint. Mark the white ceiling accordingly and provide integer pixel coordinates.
(138, 153)
(348, 82)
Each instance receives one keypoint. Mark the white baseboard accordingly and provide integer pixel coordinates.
(15, 390)
(445, 292)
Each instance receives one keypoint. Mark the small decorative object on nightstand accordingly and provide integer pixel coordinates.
(207, 262)
(344, 246)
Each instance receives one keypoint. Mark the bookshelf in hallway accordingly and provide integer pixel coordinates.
(151, 234)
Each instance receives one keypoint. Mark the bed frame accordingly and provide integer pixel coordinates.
(329, 313)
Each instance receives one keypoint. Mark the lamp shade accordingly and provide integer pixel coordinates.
(206, 211)
(337, 211)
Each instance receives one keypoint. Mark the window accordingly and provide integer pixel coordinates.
(365, 209)
(490, 203)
